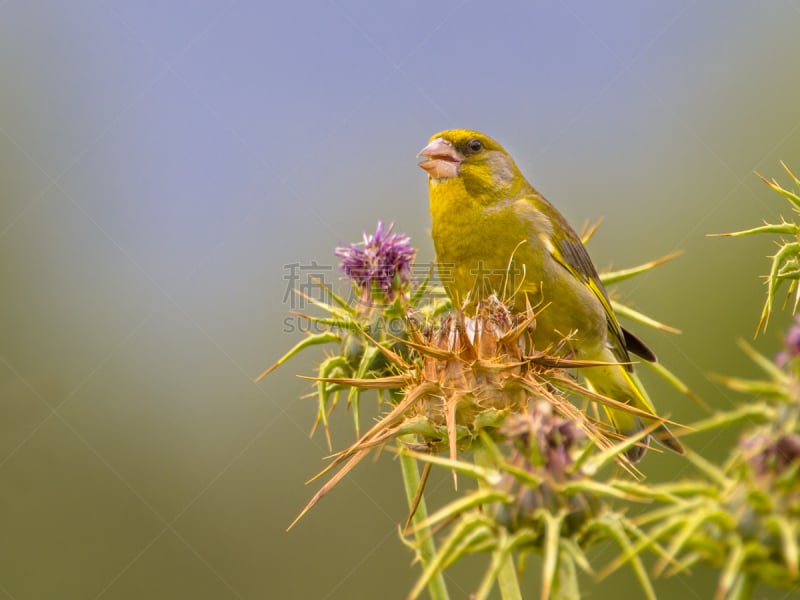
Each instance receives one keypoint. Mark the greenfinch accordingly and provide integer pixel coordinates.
(494, 233)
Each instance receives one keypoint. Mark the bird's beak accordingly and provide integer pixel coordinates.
(441, 159)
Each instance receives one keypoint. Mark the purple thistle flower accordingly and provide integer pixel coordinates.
(381, 263)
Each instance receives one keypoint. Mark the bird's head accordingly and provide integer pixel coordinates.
(476, 159)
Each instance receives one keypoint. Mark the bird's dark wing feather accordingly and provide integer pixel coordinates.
(638, 347)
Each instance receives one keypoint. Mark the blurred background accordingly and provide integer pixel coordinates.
(162, 166)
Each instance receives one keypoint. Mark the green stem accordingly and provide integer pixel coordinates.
(744, 588)
(507, 579)
(565, 586)
(425, 545)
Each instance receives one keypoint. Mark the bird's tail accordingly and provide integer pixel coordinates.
(615, 382)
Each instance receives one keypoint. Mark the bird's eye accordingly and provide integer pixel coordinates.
(475, 145)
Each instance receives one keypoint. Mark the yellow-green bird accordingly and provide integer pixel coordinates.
(494, 233)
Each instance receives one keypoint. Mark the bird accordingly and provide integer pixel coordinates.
(493, 232)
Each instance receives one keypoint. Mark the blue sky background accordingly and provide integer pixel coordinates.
(162, 163)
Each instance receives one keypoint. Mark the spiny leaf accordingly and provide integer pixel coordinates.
(593, 463)
(769, 367)
(732, 569)
(675, 382)
(787, 251)
(569, 385)
(745, 413)
(627, 312)
(644, 541)
(336, 322)
(793, 198)
(667, 493)
(460, 506)
(465, 468)
(501, 558)
(419, 293)
(344, 304)
(708, 468)
(464, 529)
(783, 228)
(611, 277)
(330, 484)
(577, 554)
(328, 366)
(521, 474)
(754, 387)
(589, 229)
(667, 516)
(690, 525)
(792, 175)
(326, 337)
(788, 534)
(344, 308)
(418, 494)
(552, 537)
(630, 553)
(353, 396)
(599, 488)
(377, 435)
(389, 382)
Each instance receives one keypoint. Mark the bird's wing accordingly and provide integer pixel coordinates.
(568, 250)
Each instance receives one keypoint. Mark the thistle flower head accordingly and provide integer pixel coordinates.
(543, 445)
(544, 439)
(771, 457)
(380, 265)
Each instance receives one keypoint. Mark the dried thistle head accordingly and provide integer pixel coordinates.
(471, 368)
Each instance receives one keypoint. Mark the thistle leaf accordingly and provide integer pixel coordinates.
(788, 534)
(552, 534)
(783, 228)
(326, 337)
(478, 473)
(611, 277)
(630, 554)
(449, 550)
(793, 198)
(626, 311)
(676, 383)
(787, 251)
(732, 570)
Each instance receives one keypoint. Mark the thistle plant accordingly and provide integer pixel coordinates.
(471, 394)
(743, 516)
(785, 263)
